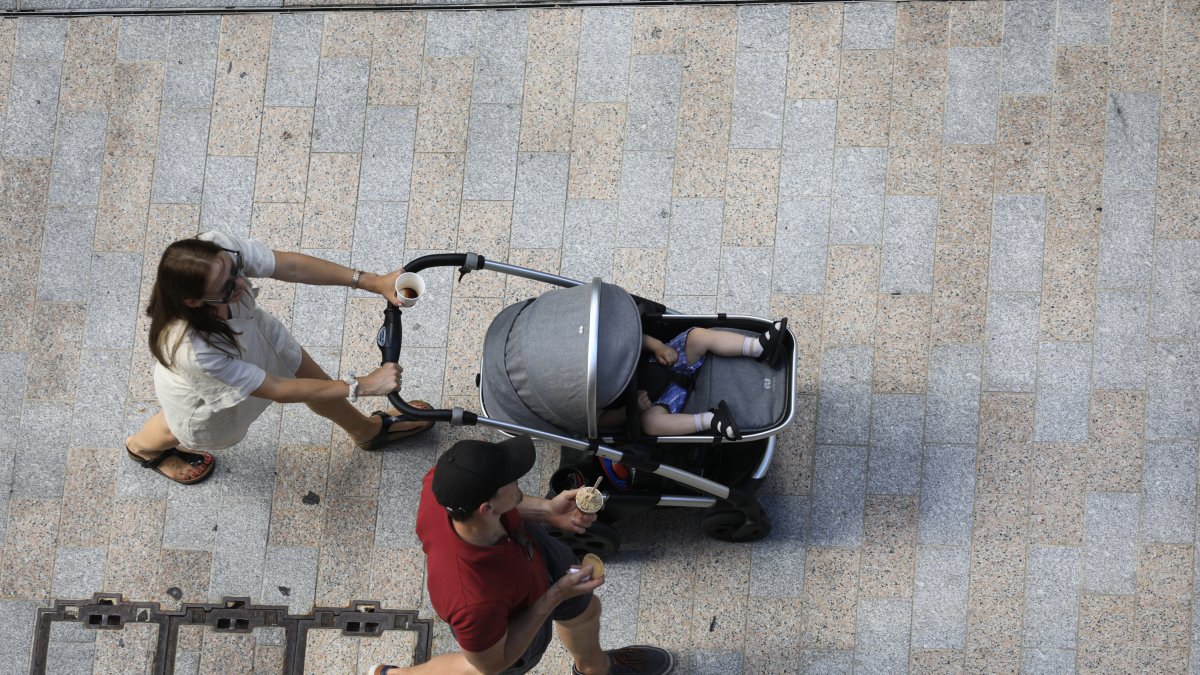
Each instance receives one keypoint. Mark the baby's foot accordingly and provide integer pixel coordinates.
(723, 426)
(772, 343)
(644, 402)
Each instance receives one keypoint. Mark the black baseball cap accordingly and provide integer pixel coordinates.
(471, 471)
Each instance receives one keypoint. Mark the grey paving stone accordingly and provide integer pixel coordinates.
(620, 594)
(1110, 543)
(844, 410)
(99, 420)
(539, 203)
(32, 105)
(1051, 597)
(292, 64)
(952, 409)
(62, 631)
(69, 657)
(270, 635)
(78, 157)
(858, 202)
(644, 216)
(190, 523)
(66, 251)
(1173, 407)
(12, 391)
(1083, 22)
(16, 638)
(653, 102)
(182, 149)
(450, 33)
(1047, 661)
(40, 38)
(1131, 149)
(805, 174)
(1176, 312)
(809, 124)
(1122, 330)
(972, 96)
(491, 167)
(40, 465)
(1126, 240)
(187, 663)
(939, 606)
(1028, 47)
(397, 517)
(693, 262)
(387, 154)
(801, 243)
(897, 423)
(758, 100)
(715, 663)
(1063, 392)
(1012, 342)
(774, 561)
(908, 238)
(79, 572)
(947, 495)
(144, 38)
(500, 57)
(290, 577)
(298, 425)
(827, 662)
(869, 25)
(605, 41)
(227, 203)
(252, 471)
(1169, 493)
(191, 70)
(745, 286)
(341, 105)
(112, 310)
(378, 239)
(881, 635)
(838, 496)
(318, 312)
(428, 324)
(7, 462)
(241, 548)
(1018, 232)
(589, 236)
(763, 28)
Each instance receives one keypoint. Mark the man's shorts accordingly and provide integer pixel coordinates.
(558, 558)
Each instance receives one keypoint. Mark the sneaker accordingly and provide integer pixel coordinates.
(637, 660)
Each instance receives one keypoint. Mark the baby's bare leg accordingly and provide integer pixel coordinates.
(703, 341)
(658, 422)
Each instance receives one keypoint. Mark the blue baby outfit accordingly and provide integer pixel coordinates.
(675, 395)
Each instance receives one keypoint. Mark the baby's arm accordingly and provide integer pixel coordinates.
(662, 353)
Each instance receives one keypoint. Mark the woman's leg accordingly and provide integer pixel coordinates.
(155, 437)
(703, 341)
(361, 428)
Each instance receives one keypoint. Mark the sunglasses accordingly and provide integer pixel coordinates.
(230, 286)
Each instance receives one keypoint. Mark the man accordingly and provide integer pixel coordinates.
(499, 579)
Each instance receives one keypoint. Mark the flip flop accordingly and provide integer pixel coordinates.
(192, 458)
(381, 669)
(385, 436)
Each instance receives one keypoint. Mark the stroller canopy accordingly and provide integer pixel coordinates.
(536, 356)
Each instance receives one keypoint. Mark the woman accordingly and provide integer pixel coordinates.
(222, 360)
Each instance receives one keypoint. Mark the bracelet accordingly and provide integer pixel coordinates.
(352, 382)
(356, 278)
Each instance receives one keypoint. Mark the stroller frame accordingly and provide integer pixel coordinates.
(738, 516)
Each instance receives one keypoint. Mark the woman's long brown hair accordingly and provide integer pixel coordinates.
(182, 275)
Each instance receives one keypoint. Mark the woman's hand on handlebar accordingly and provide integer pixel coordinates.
(385, 285)
(382, 381)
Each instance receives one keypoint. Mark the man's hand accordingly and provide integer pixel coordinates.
(665, 355)
(565, 515)
(572, 584)
(382, 381)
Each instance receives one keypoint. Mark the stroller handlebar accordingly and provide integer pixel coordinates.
(390, 339)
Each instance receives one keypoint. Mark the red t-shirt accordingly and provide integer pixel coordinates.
(476, 588)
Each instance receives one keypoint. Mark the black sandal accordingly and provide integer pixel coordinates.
(772, 343)
(191, 458)
(386, 435)
(723, 426)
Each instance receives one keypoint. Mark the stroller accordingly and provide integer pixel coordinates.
(550, 364)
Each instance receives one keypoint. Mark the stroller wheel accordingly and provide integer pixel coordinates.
(734, 526)
(601, 539)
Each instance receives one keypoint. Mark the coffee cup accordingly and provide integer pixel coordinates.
(410, 287)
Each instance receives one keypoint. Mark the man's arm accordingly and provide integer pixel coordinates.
(524, 626)
(306, 269)
(559, 512)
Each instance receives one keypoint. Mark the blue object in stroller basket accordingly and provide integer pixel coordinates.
(549, 366)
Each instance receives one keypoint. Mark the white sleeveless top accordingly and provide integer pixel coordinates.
(206, 394)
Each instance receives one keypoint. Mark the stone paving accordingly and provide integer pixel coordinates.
(982, 219)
